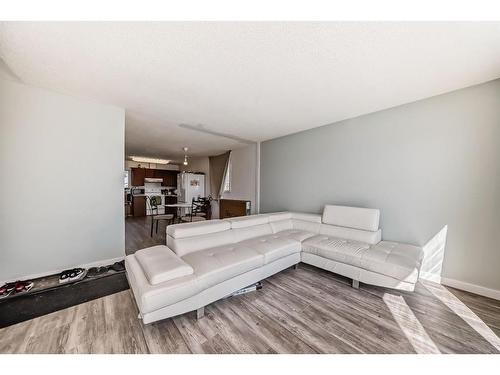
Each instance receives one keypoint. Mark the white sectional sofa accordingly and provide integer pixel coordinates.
(206, 261)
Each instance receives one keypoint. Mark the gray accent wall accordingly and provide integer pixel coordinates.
(426, 165)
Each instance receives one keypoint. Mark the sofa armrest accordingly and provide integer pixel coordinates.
(161, 264)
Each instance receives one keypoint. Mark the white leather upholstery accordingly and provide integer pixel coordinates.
(306, 225)
(278, 226)
(247, 221)
(313, 218)
(223, 262)
(338, 249)
(397, 260)
(195, 229)
(295, 234)
(226, 255)
(273, 246)
(161, 264)
(183, 246)
(244, 233)
(351, 234)
(223, 289)
(279, 216)
(356, 273)
(152, 297)
(351, 217)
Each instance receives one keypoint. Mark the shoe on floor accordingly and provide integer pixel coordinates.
(7, 289)
(96, 271)
(23, 286)
(71, 275)
(118, 266)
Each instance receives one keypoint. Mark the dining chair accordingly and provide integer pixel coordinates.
(154, 202)
(197, 212)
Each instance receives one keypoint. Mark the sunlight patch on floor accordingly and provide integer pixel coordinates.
(410, 325)
(459, 308)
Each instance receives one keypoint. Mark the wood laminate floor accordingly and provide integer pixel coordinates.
(138, 234)
(298, 311)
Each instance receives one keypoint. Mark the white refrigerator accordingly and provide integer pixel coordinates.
(189, 186)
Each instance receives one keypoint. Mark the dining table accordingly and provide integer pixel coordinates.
(179, 206)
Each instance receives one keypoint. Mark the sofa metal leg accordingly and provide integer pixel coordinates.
(295, 266)
(355, 284)
(200, 313)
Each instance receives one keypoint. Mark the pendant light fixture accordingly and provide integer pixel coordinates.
(185, 149)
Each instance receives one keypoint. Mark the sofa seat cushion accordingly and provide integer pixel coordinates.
(161, 264)
(397, 260)
(296, 234)
(217, 264)
(337, 249)
(273, 246)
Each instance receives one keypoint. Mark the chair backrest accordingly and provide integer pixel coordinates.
(200, 205)
(154, 202)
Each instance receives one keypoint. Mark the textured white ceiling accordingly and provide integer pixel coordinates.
(252, 80)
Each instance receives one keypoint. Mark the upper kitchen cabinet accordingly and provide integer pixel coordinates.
(150, 173)
(169, 177)
(138, 175)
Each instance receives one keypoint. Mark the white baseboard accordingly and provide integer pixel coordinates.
(48, 273)
(430, 276)
(473, 288)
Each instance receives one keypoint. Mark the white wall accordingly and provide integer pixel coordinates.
(244, 171)
(432, 167)
(61, 189)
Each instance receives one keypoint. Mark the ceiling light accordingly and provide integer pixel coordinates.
(141, 159)
(185, 155)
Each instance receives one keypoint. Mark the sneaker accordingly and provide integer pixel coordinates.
(64, 276)
(23, 286)
(77, 274)
(118, 266)
(97, 271)
(69, 276)
(7, 289)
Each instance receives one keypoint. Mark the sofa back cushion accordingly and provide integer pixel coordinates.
(366, 236)
(197, 228)
(245, 233)
(281, 225)
(308, 226)
(247, 221)
(352, 217)
(186, 245)
(313, 218)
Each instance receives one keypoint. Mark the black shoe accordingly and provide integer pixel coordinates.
(97, 271)
(118, 266)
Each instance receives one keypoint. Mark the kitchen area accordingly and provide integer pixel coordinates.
(173, 191)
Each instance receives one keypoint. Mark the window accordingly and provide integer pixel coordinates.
(125, 180)
(227, 177)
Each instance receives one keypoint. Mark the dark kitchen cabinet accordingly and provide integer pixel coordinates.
(138, 175)
(139, 206)
(170, 179)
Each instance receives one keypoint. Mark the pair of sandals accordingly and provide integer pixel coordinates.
(98, 271)
(16, 287)
(72, 275)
